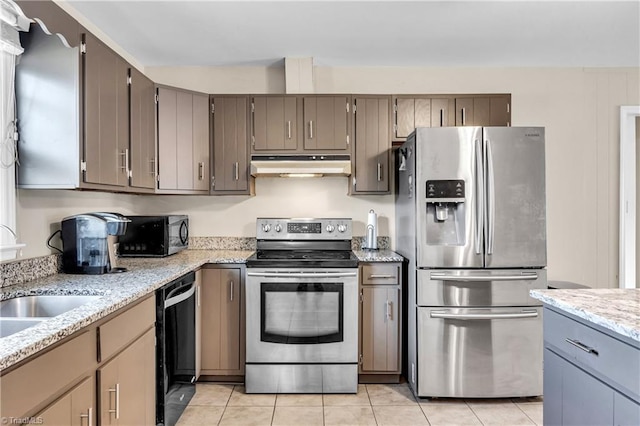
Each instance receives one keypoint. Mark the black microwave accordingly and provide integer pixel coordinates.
(154, 236)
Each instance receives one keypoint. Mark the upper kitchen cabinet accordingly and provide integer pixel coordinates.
(372, 143)
(274, 123)
(326, 124)
(489, 110)
(183, 141)
(106, 115)
(413, 111)
(143, 132)
(53, 18)
(230, 145)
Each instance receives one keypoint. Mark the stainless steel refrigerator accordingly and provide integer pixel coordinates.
(470, 218)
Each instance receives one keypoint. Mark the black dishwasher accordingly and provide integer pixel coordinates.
(175, 348)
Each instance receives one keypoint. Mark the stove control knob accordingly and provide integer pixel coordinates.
(342, 228)
(266, 227)
(330, 228)
(277, 228)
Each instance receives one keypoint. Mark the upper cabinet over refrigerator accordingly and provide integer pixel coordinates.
(480, 196)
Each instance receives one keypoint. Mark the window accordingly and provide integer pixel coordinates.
(11, 21)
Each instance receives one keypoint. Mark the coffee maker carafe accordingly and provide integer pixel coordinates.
(89, 242)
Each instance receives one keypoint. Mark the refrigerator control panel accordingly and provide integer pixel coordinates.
(445, 189)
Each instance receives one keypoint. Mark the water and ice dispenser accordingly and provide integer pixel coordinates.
(445, 212)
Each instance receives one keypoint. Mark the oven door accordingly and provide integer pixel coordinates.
(302, 315)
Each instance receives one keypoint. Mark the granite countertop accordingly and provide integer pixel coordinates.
(144, 276)
(617, 310)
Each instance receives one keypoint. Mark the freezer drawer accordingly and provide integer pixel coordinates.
(479, 288)
(480, 352)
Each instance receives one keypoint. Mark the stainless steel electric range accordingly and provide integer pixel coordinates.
(302, 308)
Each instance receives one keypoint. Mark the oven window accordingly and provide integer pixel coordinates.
(301, 313)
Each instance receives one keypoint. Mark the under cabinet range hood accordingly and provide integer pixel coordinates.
(300, 165)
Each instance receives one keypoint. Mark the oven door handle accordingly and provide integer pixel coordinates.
(180, 298)
(302, 274)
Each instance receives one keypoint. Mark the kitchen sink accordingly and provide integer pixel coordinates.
(30, 307)
(9, 326)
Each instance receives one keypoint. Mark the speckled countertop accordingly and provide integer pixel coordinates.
(117, 290)
(144, 276)
(617, 310)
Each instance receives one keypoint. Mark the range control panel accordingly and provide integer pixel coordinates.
(303, 229)
(445, 190)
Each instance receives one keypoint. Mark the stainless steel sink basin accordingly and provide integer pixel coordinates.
(9, 326)
(41, 306)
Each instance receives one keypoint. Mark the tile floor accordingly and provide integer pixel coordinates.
(215, 404)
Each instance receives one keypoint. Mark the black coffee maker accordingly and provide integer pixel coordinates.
(89, 242)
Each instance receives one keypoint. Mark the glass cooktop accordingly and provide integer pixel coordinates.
(303, 258)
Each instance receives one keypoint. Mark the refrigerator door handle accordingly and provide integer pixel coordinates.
(445, 315)
(479, 197)
(491, 198)
(443, 276)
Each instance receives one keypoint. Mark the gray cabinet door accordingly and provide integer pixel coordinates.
(142, 149)
(625, 411)
(473, 111)
(326, 123)
(372, 143)
(167, 138)
(380, 329)
(409, 114)
(230, 144)
(442, 112)
(106, 115)
(201, 168)
(500, 111)
(274, 123)
(184, 147)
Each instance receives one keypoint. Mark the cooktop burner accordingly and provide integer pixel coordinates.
(302, 258)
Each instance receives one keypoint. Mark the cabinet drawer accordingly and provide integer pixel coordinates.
(613, 359)
(124, 328)
(38, 381)
(380, 273)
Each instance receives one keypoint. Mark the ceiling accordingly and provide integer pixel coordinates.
(373, 33)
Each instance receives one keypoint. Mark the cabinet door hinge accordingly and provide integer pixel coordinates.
(129, 81)
(354, 182)
(354, 107)
(156, 98)
(83, 48)
(395, 108)
(130, 174)
(213, 108)
(347, 140)
(395, 128)
(361, 295)
(508, 107)
(253, 107)
(360, 359)
(83, 166)
(213, 182)
(253, 141)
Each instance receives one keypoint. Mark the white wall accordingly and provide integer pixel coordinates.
(578, 107)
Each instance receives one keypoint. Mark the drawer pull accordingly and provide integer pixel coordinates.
(581, 346)
(373, 276)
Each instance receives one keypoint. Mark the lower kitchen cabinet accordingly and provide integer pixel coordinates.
(74, 408)
(222, 322)
(590, 378)
(380, 322)
(127, 384)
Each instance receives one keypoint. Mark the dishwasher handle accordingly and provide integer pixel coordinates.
(170, 301)
(514, 315)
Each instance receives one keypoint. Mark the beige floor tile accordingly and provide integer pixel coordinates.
(241, 399)
(296, 416)
(359, 399)
(500, 414)
(200, 415)
(399, 415)
(533, 410)
(211, 394)
(390, 395)
(298, 400)
(247, 416)
(348, 416)
(450, 414)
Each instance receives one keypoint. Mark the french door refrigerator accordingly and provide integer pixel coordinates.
(470, 219)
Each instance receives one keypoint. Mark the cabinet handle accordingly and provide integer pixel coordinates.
(463, 116)
(198, 296)
(126, 159)
(231, 291)
(379, 172)
(236, 172)
(88, 416)
(387, 315)
(289, 129)
(117, 392)
(581, 346)
(200, 170)
(152, 166)
(381, 276)
(310, 129)
(123, 160)
(441, 118)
